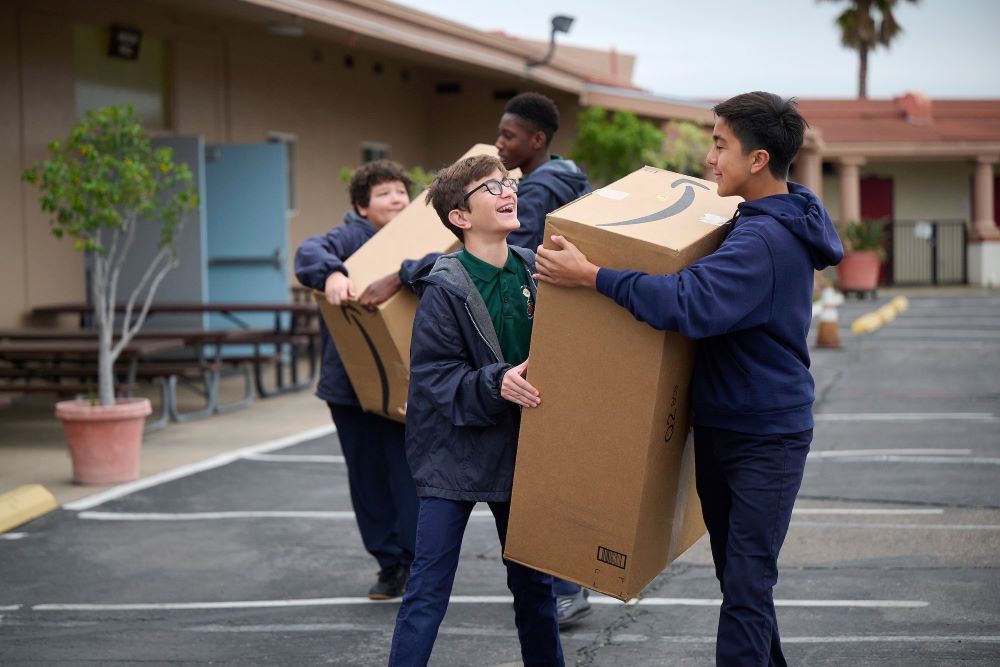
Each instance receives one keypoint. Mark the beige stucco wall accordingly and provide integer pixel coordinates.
(921, 190)
(229, 81)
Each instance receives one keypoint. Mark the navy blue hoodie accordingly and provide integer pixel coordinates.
(749, 304)
(555, 183)
(315, 260)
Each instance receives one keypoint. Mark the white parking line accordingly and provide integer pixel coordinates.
(455, 599)
(904, 416)
(983, 460)
(294, 458)
(897, 526)
(10, 607)
(274, 628)
(214, 462)
(872, 511)
(336, 515)
(852, 453)
(12, 536)
(347, 515)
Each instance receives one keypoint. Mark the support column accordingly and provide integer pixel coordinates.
(850, 189)
(983, 250)
(984, 227)
(809, 171)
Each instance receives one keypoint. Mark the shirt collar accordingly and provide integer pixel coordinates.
(484, 270)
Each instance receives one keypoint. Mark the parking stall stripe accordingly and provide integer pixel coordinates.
(455, 599)
(345, 515)
(584, 636)
(294, 458)
(849, 453)
(208, 464)
(905, 416)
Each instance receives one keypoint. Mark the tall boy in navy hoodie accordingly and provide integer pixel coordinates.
(468, 358)
(749, 305)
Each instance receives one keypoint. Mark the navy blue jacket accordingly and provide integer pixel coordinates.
(461, 436)
(749, 304)
(315, 260)
(553, 184)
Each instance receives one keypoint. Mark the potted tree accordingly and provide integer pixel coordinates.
(863, 255)
(102, 186)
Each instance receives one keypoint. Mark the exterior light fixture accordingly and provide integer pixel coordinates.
(560, 23)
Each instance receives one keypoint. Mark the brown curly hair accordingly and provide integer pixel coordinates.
(447, 192)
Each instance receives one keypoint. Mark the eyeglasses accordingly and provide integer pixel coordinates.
(493, 186)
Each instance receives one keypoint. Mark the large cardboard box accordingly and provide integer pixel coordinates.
(604, 490)
(375, 346)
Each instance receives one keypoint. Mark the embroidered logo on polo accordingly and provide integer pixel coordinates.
(531, 302)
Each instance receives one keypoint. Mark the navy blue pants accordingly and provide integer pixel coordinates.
(747, 485)
(440, 528)
(383, 494)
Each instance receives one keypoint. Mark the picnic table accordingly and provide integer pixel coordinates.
(62, 366)
(297, 334)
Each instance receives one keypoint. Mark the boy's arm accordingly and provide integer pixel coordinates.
(410, 271)
(729, 290)
(440, 369)
(319, 256)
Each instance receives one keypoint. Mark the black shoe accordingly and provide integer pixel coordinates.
(391, 583)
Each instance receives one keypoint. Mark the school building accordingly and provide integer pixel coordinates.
(277, 96)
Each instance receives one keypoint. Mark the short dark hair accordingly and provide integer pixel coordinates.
(371, 174)
(766, 121)
(447, 191)
(538, 111)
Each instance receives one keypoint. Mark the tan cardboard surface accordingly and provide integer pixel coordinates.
(604, 486)
(375, 347)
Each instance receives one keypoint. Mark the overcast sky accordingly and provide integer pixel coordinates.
(949, 48)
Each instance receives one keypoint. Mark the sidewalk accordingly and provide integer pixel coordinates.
(33, 449)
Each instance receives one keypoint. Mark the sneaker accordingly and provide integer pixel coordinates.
(571, 608)
(391, 583)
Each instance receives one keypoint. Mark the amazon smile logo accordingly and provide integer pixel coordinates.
(682, 204)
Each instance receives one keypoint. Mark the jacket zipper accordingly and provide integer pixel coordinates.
(479, 331)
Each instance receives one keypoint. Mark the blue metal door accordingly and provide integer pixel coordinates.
(247, 227)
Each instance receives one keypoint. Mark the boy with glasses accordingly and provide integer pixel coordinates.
(468, 358)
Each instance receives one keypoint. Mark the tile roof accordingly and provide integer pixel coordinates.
(908, 118)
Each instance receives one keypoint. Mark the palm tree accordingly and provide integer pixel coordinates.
(859, 30)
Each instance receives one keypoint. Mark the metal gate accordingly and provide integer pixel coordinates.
(927, 252)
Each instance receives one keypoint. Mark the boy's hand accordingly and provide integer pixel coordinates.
(339, 289)
(566, 266)
(517, 390)
(380, 291)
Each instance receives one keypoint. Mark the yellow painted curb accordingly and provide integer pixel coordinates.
(874, 320)
(24, 504)
(886, 313)
(866, 323)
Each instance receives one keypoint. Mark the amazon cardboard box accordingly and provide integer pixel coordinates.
(604, 491)
(375, 346)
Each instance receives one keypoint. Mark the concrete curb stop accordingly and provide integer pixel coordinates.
(870, 322)
(24, 504)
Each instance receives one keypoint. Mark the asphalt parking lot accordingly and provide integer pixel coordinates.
(893, 557)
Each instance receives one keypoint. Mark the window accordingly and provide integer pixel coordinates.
(288, 141)
(373, 150)
(102, 80)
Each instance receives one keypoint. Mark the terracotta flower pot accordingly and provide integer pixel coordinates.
(104, 440)
(858, 271)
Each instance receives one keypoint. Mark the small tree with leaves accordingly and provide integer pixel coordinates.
(609, 146)
(102, 186)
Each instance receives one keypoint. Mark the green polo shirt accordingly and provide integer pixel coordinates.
(508, 300)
